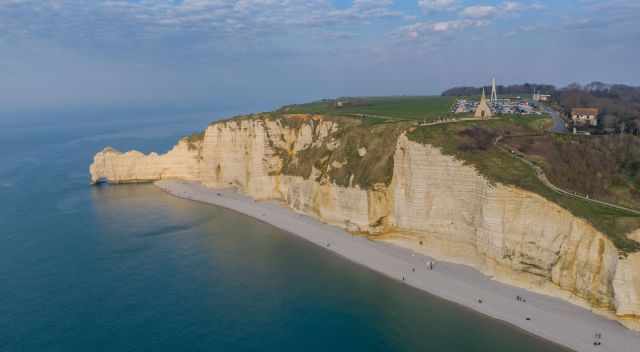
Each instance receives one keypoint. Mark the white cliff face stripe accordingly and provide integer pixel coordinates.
(181, 162)
(514, 235)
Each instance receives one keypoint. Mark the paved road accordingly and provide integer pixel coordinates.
(558, 122)
(456, 120)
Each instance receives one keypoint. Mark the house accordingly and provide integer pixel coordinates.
(349, 102)
(483, 110)
(541, 97)
(461, 107)
(584, 117)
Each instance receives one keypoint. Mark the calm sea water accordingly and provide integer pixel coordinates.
(129, 268)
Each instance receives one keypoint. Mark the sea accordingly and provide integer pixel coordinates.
(130, 268)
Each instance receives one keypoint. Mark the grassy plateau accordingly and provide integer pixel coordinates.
(419, 108)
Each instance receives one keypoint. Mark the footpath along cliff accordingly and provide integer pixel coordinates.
(374, 180)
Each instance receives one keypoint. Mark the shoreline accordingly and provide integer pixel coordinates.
(550, 318)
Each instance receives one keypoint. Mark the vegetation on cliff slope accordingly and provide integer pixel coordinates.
(193, 140)
(360, 153)
(472, 142)
(605, 167)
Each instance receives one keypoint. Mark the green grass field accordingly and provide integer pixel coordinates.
(401, 107)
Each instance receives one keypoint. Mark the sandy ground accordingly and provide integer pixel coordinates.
(548, 317)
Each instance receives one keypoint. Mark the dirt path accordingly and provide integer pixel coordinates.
(545, 180)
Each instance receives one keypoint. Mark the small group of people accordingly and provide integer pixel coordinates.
(520, 299)
(598, 337)
(430, 265)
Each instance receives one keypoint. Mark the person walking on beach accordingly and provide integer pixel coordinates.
(597, 336)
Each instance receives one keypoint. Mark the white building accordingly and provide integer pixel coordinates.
(541, 97)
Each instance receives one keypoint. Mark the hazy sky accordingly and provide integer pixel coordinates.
(60, 54)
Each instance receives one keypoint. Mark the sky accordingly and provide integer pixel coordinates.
(100, 54)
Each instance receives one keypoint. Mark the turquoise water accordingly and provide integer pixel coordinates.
(129, 268)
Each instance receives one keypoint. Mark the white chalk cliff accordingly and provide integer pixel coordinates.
(434, 204)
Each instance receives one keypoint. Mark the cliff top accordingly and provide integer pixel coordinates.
(359, 153)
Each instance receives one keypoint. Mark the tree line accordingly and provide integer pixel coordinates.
(618, 104)
(515, 89)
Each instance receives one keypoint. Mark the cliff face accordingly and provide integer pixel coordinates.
(183, 162)
(433, 204)
(514, 235)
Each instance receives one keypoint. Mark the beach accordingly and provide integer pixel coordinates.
(547, 317)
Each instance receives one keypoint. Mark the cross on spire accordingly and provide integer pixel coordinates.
(494, 92)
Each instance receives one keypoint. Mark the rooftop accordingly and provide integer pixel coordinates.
(584, 111)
